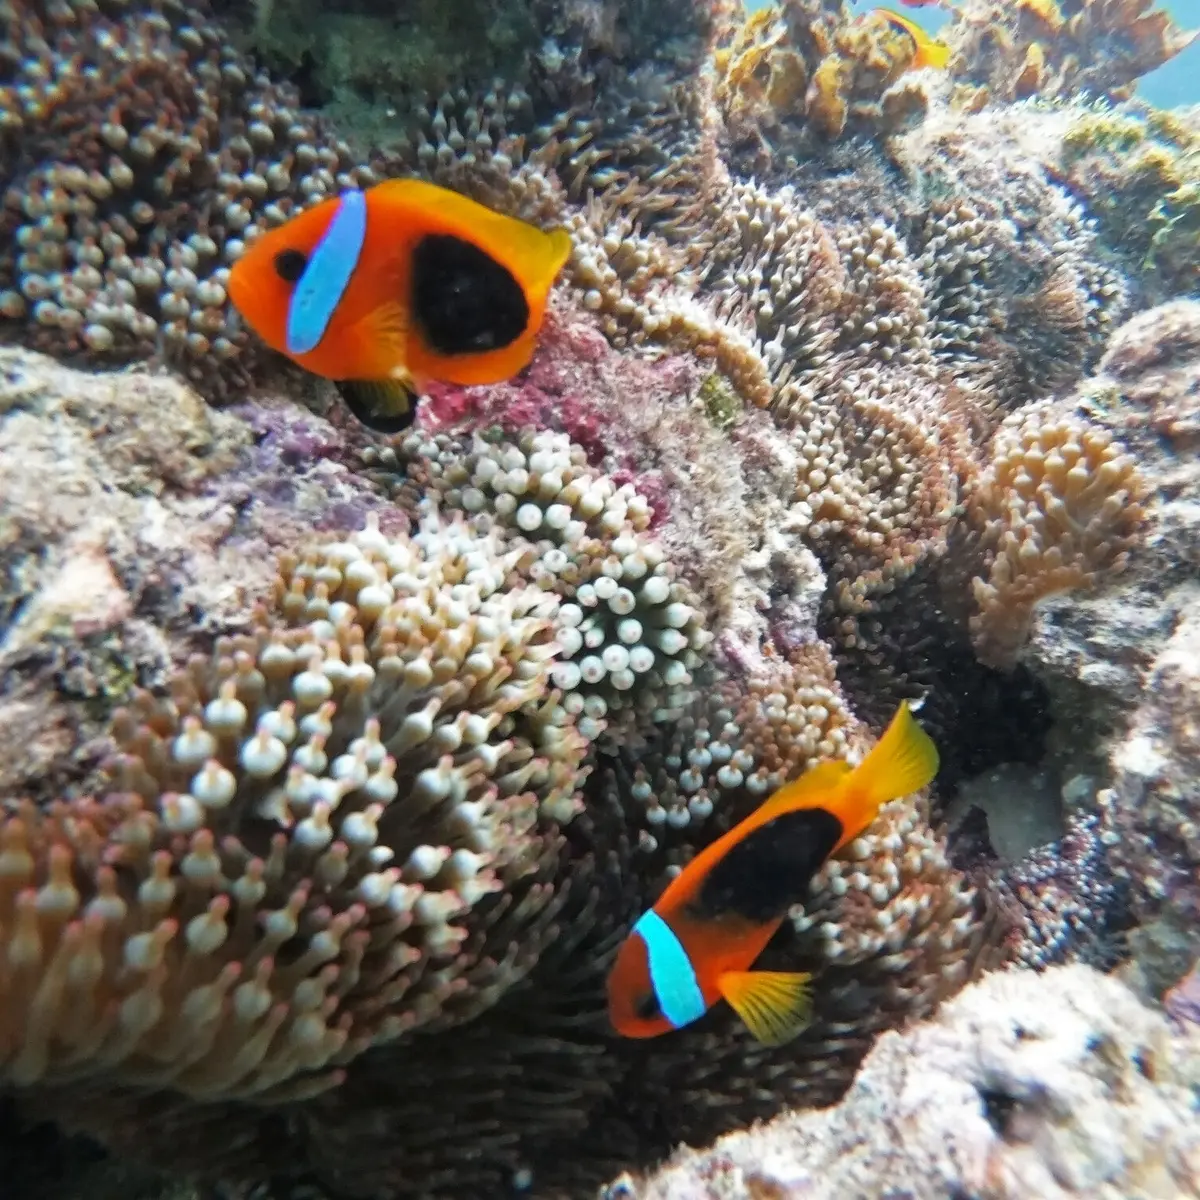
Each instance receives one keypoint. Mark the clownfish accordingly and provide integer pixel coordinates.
(386, 289)
(697, 944)
(929, 51)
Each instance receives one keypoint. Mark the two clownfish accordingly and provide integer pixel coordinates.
(698, 943)
(386, 289)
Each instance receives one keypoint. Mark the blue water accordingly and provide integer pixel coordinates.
(1176, 82)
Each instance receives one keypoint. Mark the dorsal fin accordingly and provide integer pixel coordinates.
(806, 792)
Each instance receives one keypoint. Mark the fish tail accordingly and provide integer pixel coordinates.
(903, 761)
(937, 55)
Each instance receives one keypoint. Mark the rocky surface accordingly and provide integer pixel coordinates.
(134, 521)
(1123, 662)
(1026, 1086)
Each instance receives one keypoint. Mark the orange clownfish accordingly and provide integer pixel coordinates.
(697, 944)
(385, 289)
(929, 51)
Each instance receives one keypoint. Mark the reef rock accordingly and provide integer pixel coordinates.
(1123, 661)
(1047, 1085)
(133, 516)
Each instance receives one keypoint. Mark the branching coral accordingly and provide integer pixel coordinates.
(335, 831)
(1058, 505)
(1059, 48)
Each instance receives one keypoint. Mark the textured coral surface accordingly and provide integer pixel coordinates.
(1053, 1085)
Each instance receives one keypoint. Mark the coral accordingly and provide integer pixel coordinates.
(230, 903)
(1058, 48)
(1139, 171)
(1058, 505)
(125, 565)
(1054, 1085)
(726, 517)
(791, 78)
(139, 153)
(1120, 660)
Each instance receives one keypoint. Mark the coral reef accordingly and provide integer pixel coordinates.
(1120, 661)
(1139, 171)
(1052, 1085)
(139, 152)
(1057, 505)
(1006, 51)
(794, 77)
(336, 767)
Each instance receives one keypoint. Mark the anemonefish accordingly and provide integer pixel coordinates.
(386, 289)
(930, 51)
(697, 944)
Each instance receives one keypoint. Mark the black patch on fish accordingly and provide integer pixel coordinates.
(770, 869)
(463, 299)
(385, 405)
(290, 264)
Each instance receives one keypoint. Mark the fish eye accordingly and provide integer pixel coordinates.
(647, 1007)
(290, 264)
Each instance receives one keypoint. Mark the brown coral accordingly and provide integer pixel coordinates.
(1058, 48)
(337, 830)
(1057, 506)
(792, 78)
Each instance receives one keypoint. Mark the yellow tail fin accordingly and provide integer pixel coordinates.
(904, 760)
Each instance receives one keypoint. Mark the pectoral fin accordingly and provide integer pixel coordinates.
(385, 405)
(774, 1005)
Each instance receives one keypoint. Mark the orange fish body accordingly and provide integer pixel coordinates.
(696, 945)
(401, 284)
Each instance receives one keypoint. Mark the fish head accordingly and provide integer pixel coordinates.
(633, 1005)
(263, 281)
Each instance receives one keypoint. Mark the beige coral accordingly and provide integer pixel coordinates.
(1057, 506)
(335, 831)
(1054, 1085)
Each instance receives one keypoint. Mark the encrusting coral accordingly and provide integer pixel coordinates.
(1053, 1085)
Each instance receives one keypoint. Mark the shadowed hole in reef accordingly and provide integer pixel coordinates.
(912, 648)
(37, 1160)
(998, 1108)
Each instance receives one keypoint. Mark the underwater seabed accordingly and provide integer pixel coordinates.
(335, 766)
